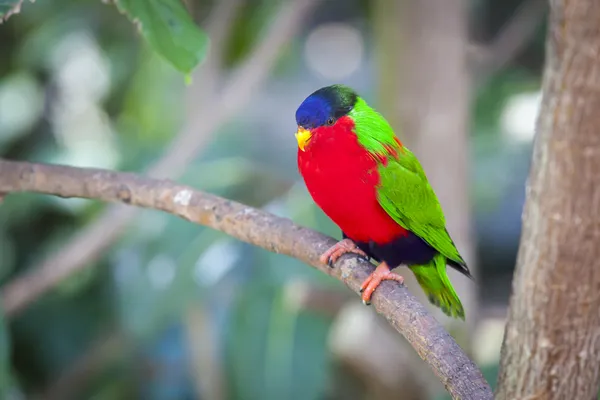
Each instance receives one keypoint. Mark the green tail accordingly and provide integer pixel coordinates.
(437, 286)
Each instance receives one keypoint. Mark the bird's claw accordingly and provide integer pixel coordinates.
(381, 273)
(342, 247)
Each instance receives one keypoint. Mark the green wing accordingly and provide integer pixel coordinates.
(406, 195)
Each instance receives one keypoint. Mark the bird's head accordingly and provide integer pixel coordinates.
(322, 109)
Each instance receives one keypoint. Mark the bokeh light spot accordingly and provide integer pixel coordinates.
(334, 50)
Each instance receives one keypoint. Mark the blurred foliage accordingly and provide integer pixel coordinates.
(290, 346)
(491, 98)
(165, 24)
(77, 86)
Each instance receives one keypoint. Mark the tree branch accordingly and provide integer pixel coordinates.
(458, 373)
(511, 39)
(93, 240)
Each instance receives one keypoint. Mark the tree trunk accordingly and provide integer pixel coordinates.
(551, 345)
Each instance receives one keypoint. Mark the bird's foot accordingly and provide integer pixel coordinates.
(381, 273)
(340, 248)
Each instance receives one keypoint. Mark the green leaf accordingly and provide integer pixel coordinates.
(8, 8)
(169, 29)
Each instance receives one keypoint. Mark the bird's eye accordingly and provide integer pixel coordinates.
(330, 121)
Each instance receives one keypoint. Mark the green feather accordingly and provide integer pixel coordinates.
(373, 131)
(406, 195)
(437, 286)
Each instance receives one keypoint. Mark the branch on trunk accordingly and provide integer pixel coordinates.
(458, 373)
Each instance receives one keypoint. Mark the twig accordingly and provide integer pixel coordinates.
(511, 39)
(91, 242)
(457, 372)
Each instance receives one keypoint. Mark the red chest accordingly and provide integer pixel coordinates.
(342, 177)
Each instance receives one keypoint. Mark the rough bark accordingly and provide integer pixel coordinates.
(551, 346)
(456, 371)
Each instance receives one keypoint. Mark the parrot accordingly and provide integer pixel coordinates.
(375, 190)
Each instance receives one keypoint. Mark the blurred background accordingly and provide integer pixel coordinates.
(159, 308)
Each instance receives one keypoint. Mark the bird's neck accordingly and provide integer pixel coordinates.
(337, 142)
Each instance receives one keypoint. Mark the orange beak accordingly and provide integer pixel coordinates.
(303, 137)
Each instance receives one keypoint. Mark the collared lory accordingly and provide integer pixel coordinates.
(374, 188)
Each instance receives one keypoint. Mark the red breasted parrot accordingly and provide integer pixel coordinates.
(374, 188)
